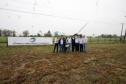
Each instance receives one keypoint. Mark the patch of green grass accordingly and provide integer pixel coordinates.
(3, 39)
(104, 40)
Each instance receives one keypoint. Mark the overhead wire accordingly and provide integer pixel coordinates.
(35, 12)
(51, 15)
(97, 5)
(43, 14)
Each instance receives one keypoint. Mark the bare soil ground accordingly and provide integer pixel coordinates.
(102, 64)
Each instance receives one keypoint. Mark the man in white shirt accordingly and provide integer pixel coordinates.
(85, 43)
(68, 44)
(55, 44)
(81, 43)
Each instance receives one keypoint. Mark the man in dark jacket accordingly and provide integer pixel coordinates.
(77, 42)
(62, 43)
(73, 43)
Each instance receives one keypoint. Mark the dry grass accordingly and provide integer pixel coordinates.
(103, 64)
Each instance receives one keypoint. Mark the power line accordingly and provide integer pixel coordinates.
(50, 15)
(43, 14)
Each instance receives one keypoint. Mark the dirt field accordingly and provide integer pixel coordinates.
(103, 64)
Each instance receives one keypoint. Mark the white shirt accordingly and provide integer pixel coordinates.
(61, 41)
(69, 40)
(85, 39)
(55, 40)
(76, 40)
(81, 40)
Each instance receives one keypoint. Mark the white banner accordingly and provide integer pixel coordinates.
(30, 41)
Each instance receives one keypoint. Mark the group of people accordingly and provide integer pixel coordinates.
(75, 43)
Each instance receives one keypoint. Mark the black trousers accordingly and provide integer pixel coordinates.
(73, 48)
(77, 46)
(55, 47)
(81, 47)
(62, 48)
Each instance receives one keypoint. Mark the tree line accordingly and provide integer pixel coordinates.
(7, 32)
(25, 33)
(108, 36)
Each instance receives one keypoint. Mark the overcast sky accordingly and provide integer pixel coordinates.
(67, 16)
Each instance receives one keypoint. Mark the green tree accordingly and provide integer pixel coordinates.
(56, 33)
(7, 32)
(48, 34)
(25, 33)
(38, 35)
(14, 33)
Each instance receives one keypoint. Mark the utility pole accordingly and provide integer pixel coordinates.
(125, 36)
(0, 32)
(121, 32)
(125, 33)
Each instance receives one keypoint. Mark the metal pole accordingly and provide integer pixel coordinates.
(125, 33)
(121, 32)
(82, 28)
(125, 37)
